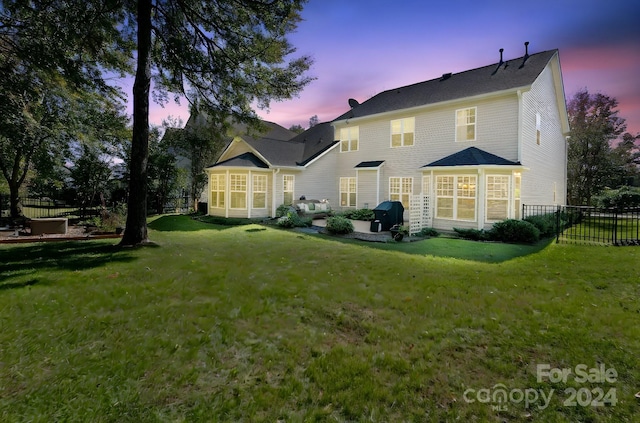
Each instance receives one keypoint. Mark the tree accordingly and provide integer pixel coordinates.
(313, 121)
(298, 129)
(51, 56)
(626, 160)
(594, 123)
(90, 175)
(227, 54)
(200, 143)
(164, 175)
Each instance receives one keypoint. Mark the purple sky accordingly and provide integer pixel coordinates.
(363, 47)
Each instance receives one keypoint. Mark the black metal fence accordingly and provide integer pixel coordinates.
(590, 225)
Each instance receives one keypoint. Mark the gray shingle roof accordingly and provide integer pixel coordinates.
(243, 160)
(472, 156)
(510, 75)
(369, 164)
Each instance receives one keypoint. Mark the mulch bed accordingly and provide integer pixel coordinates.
(74, 233)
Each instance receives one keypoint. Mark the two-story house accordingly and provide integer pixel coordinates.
(463, 150)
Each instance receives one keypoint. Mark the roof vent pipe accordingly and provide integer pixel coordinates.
(526, 54)
(499, 64)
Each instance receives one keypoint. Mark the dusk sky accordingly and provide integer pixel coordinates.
(363, 47)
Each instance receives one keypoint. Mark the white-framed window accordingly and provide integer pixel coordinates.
(538, 126)
(403, 132)
(456, 197)
(400, 189)
(259, 191)
(237, 191)
(218, 184)
(497, 197)
(348, 192)
(288, 186)
(426, 185)
(349, 139)
(445, 188)
(466, 124)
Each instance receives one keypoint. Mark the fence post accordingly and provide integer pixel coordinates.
(615, 228)
(558, 224)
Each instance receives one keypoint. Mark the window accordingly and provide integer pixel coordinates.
(217, 191)
(456, 197)
(349, 139)
(538, 124)
(238, 191)
(259, 191)
(400, 189)
(466, 198)
(347, 192)
(466, 124)
(426, 185)
(497, 197)
(444, 196)
(288, 183)
(402, 132)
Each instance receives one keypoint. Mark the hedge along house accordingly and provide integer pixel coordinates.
(463, 150)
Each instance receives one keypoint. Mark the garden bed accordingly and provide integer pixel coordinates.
(74, 233)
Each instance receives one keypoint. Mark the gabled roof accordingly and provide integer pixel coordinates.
(243, 160)
(472, 156)
(511, 74)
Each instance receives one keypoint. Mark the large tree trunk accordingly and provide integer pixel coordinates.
(136, 228)
(14, 201)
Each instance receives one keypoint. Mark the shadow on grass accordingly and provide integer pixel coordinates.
(486, 252)
(184, 223)
(72, 255)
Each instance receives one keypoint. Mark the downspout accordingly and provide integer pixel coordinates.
(378, 185)
(520, 111)
(227, 197)
(249, 195)
(273, 193)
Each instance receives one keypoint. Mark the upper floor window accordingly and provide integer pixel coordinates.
(466, 124)
(349, 139)
(402, 132)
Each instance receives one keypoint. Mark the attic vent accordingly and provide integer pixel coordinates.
(353, 103)
(445, 76)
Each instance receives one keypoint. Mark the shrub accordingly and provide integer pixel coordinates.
(359, 214)
(546, 224)
(473, 234)
(426, 232)
(282, 210)
(512, 230)
(292, 220)
(339, 225)
(621, 198)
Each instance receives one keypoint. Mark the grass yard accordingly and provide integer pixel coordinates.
(254, 324)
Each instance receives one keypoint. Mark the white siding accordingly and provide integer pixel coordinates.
(320, 180)
(547, 161)
(367, 185)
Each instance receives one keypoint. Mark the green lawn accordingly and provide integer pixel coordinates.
(254, 324)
